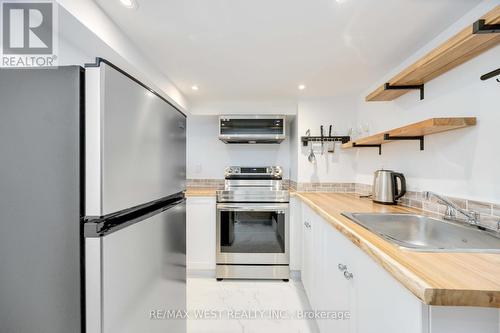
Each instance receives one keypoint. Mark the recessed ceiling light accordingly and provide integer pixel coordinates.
(195, 87)
(130, 4)
(301, 86)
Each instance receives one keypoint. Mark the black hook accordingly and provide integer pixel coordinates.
(491, 74)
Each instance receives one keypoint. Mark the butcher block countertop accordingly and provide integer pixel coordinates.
(200, 192)
(452, 279)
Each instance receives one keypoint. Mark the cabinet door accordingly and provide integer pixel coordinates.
(318, 252)
(296, 226)
(337, 291)
(307, 250)
(382, 303)
(312, 277)
(200, 233)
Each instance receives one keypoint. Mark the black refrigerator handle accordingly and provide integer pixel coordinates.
(108, 224)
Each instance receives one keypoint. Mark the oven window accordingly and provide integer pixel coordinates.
(252, 232)
(251, 126)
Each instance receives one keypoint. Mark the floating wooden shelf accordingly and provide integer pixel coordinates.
(415, 131)
(470, 42)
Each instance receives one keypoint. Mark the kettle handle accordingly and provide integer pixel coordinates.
(398, 194)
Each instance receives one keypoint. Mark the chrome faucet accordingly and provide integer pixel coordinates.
(471, 217)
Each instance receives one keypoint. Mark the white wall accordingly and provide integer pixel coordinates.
(219, 107)
(312, 113)
(462, 163)
(85, 33)
(293, 147)
(207, 156)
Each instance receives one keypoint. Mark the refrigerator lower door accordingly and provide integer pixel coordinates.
(136, 273)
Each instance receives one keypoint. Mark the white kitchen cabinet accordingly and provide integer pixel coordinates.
(382, 303)
(318, 252)
(307, 251)
(340, 277)
(461, 319)
(200, 233)
(337, 292)
(377, 302)
(296, 226)
(312, 254)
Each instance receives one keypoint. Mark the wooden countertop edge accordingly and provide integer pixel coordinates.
(412, 281)
(200, 191)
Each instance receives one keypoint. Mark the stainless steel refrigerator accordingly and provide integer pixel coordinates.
(92, 211)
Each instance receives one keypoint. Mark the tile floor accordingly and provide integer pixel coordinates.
(233, 301)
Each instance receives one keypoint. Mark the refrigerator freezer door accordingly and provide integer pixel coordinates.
(136, 147)
(136, 273)
(40, 204)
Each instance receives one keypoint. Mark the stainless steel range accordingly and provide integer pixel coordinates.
(253, 225)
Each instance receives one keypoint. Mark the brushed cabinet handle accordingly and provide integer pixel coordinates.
(348, 275)
(342, 267)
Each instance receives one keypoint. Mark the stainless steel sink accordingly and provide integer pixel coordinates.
(422, 233)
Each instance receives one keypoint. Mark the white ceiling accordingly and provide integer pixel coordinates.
(262, 49)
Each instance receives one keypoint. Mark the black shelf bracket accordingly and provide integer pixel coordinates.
(354, 144)
(491, 74)
(396, 138)
(305, 139)
(420, 87)
(480, 27)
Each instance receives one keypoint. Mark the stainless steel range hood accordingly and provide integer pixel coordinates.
(251, 129)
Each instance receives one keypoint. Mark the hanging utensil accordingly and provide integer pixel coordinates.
(311, 158)
(331, 143)
(322, 140)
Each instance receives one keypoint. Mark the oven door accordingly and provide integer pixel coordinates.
(253, 233)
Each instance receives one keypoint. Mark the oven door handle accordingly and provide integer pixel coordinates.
(253, 207)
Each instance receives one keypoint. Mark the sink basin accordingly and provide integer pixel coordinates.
(423, 233)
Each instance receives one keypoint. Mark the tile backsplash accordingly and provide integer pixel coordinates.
(411, 199)
(363, 189)
(416, 200)
(287, 184)
(206, 183)
(496, 210)
(326, 187)
(219, 183)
